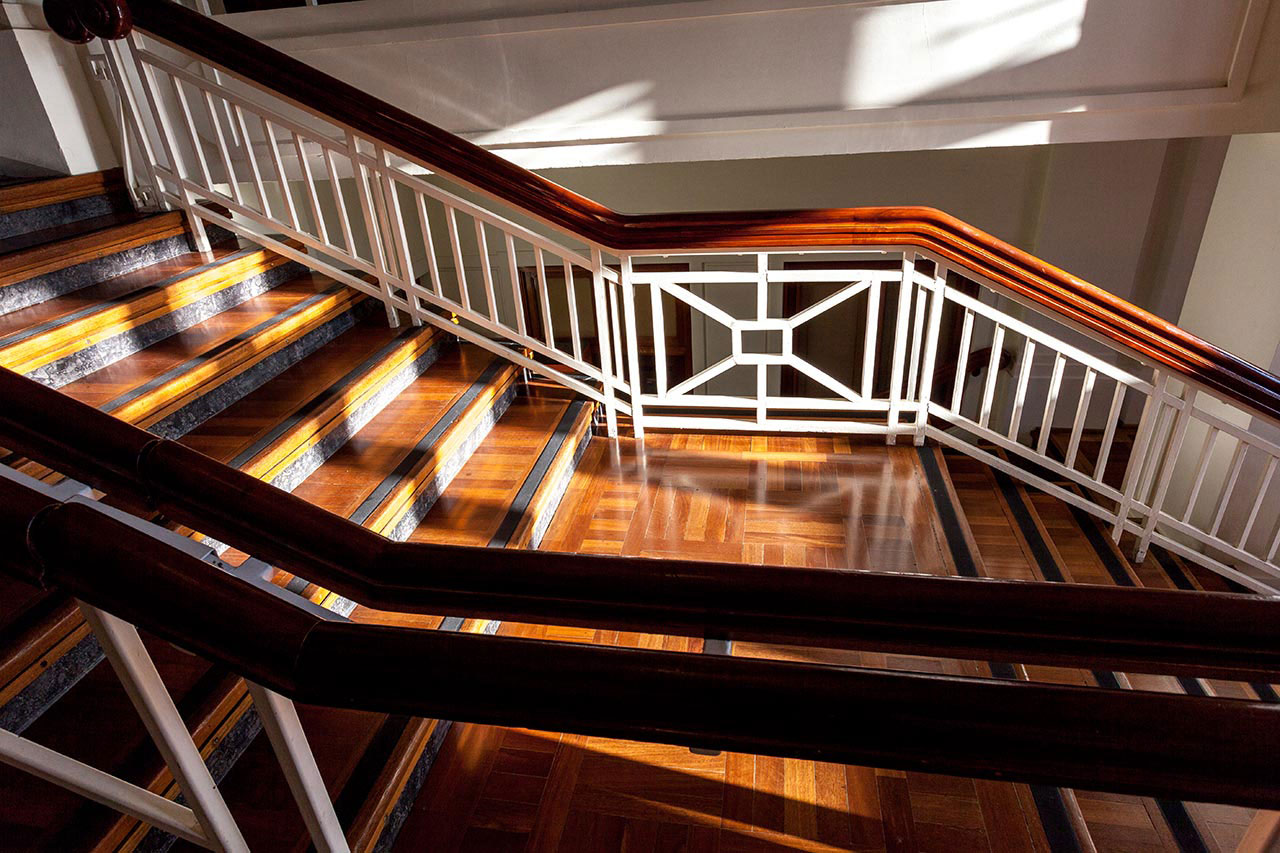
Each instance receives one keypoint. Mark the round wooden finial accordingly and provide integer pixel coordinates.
(79, 21)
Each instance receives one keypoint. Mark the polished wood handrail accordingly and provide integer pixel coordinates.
(958, 243)
(1188, 747)
(1128, 629)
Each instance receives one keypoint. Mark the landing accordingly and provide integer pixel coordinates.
(794, 501)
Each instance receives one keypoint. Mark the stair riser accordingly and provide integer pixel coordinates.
(450, 466)
(62, 281)
(217, 399)
(99, 355)
(50, 215)
(552, 479)
(220, 760)
(315, 456)
(63, 672)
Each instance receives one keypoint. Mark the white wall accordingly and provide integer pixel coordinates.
(52, 122)
(725, 79)
(1233, 300)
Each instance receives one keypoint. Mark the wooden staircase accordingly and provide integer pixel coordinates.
(290, 377)
(297, 380)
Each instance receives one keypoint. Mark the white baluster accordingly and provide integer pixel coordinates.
(571, 293)
(993, 370)
(905, 289)
(633, 347)
(962, 362)
(1082, 414)
(486, 270)
(659, 338)
(1109, 434)
(429, 245)
(1051, 403)
(1020, 393)
(599, 286)
(930, 352)
(455, 243)
(273, 148)
(1181, 421)
(1202, 468)
(869, 342)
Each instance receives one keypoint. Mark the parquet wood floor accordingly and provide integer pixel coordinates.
(819, 502)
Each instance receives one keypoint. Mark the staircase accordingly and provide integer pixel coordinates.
(275, 370)
(282, 373)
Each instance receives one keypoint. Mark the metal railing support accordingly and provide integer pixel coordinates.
(289, 741)
(137, 672)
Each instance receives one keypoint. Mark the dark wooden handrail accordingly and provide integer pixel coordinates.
(1188, 747)
(961, 244)
(1207, 634)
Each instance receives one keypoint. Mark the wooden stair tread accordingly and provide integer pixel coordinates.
(474, 506)
(152, 311)
(25, 195)
(236, 428)
(31, 255)
(112, 289)
(133, 371)
(48, 237)
(347, 478)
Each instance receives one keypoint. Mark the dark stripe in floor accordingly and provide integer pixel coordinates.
(1050, 805)
(1179, 821)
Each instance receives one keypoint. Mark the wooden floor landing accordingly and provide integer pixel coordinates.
(814, 502)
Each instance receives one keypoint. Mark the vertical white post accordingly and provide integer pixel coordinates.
(962, 362)
(993, 371)
(486, 269)
(1151, 409)
(930, 351)
(137, 673)
(289, 742)
(131, 123)
(147, 80)
(602, 334)
(900, 344)
(376, 255)
(277, 163)
(633, 347)
(1180, 423)
(659, 338)
(396, 236)
(869, 339)
(762, 314)
(455, 242)
(1020, 393)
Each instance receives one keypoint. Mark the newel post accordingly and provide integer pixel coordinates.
(80, 21)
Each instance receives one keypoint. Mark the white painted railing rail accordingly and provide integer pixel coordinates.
(895, 341)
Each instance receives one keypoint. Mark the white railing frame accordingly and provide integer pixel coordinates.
(625, 383)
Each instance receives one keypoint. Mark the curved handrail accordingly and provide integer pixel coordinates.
(957, 242)
(1194, 747)
(1129, 629)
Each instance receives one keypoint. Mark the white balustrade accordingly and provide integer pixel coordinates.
(930, 350)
